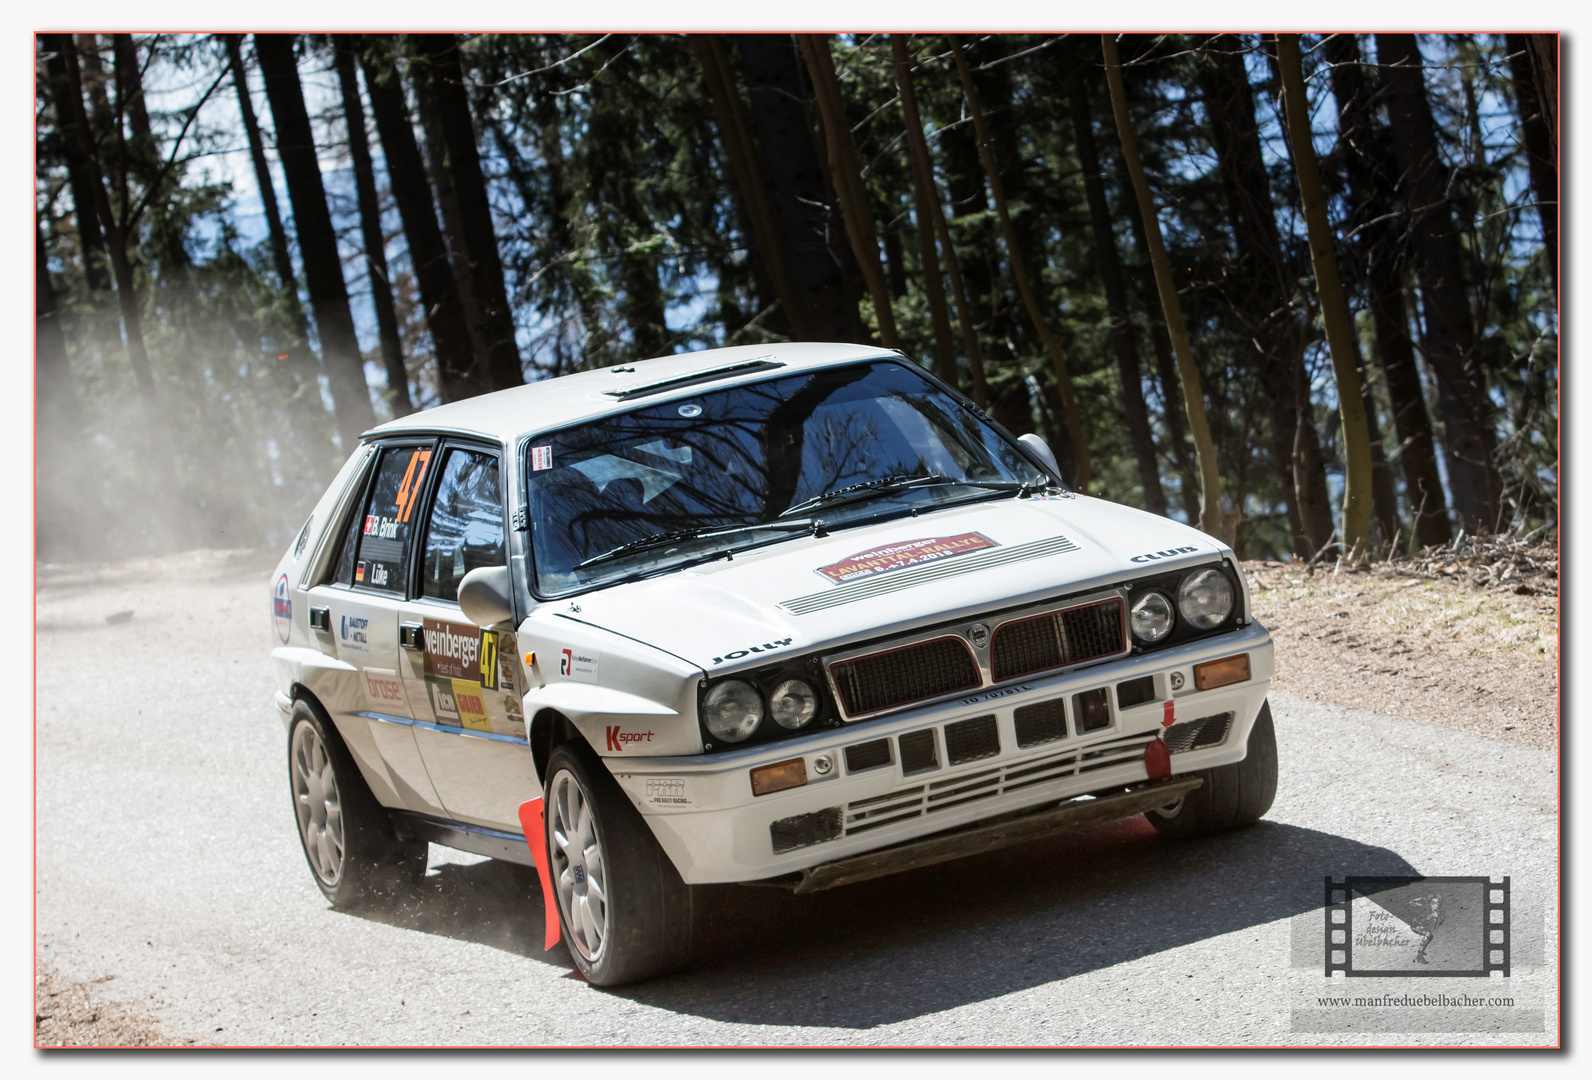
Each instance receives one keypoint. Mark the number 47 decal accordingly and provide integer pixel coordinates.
(409, 491)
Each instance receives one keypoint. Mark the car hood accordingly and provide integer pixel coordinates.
(811, 593)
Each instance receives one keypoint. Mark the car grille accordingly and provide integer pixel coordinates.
(1057, 639)
(1198, 734)
(924, 799)
(885, 680)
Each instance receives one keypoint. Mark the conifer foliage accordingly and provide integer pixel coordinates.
(1189, 277)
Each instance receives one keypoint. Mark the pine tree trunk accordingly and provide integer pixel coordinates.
(457, 374)
(1334, 304)
(1259, 289)
(1371, 173)
(1211, 517)
(262, 177)
(737, 140)
(847, 174)
(475, 211)
(323, 267)
(1451, 346)
(90, 238)
(790, 161)
(1536, 98)
(929, 208)
(1122, 337)
(392, 355)
(436, 151)
(60, 419)
(1014, 253)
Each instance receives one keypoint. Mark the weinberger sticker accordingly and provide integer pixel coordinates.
(453, 651)
(882, 560)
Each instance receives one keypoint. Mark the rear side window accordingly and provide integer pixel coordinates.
(466, 528)
(379, 562)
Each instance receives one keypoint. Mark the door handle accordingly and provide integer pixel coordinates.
(409, 636)
(321, 619)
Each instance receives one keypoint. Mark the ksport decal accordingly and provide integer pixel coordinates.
(282, 609)
(618, 740)
(882, 560)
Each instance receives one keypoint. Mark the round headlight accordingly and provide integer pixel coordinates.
(1151, 617)
(1206, 598)
(793, 704)
(732, 710)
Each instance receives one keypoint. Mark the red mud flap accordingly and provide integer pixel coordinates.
(536, 840)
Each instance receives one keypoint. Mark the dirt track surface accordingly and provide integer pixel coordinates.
(174, 906)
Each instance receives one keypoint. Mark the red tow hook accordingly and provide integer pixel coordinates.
(536, 840)
(1157, 761)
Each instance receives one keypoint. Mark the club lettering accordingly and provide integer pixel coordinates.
(1151, 556)
(767, 646)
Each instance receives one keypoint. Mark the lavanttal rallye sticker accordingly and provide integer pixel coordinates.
(881, 560)
(469, 675)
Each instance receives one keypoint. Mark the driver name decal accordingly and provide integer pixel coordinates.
(882, 560)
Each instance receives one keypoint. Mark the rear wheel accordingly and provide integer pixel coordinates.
(626, 913)
(1232, 795)
(347, 837)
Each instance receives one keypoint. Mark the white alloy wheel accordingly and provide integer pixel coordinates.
(320, 810)
(577, 859)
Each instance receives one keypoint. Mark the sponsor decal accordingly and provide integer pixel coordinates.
(453, 651)
(282, 609)
(353, 631)
(489, 660)
(882, 560)
(541, 458)
(993, 694)
(767, 646)
(1151, 556)
(443, 707)
(384, 692)
(668, 792)
(578, 663)
(471, 706)
(618, 740)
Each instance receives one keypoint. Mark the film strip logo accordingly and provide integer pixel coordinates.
(1416, 927)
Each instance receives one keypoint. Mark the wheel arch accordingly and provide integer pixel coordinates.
(550, 729)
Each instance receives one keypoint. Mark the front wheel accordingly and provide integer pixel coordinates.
(347, 837)
(1232, 795)
(626, 913)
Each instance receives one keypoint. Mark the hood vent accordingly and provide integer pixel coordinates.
(896, 580)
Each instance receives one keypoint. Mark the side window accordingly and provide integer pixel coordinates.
(379, 562)
(466, 527)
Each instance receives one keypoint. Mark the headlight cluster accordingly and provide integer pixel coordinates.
(733, 710)
(1205, 600)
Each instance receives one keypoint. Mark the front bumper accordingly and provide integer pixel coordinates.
(714, 829)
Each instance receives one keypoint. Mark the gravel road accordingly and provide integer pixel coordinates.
(167, 860)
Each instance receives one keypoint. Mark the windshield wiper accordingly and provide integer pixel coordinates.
(868, 488)
(657, 540)
(889, 484)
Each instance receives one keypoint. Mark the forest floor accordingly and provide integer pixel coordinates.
(1464, 638)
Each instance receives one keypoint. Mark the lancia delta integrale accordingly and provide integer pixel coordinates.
(800, 615)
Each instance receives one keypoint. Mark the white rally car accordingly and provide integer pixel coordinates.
(799, 615)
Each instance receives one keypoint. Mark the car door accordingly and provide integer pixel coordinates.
(357, 614)
(462, 680)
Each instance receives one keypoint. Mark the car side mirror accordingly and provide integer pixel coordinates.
(485, 596)
(1041, 450)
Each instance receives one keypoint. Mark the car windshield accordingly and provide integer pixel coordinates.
(667, 484)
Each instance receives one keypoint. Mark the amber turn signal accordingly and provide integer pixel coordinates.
(767, 779)
(1223, 672)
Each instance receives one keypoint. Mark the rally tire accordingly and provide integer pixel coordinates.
(348, 840)
(1232, 795)
(625, 912)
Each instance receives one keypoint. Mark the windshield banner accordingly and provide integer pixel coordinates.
(881, 560)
